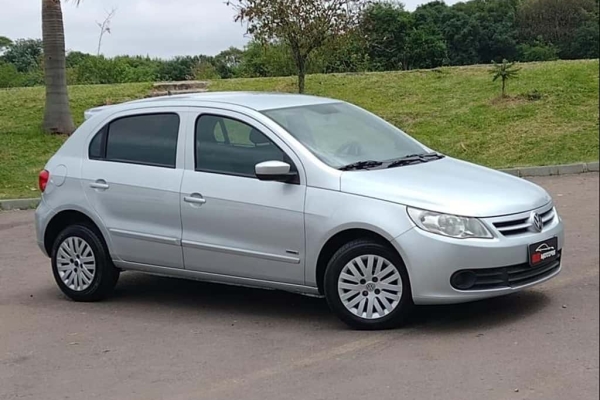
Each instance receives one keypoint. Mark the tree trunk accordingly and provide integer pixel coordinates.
(301, 66)
(100, 42)
(503, 87)
(57, 114)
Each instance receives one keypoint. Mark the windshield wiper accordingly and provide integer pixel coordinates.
(361, 165)
(415, 159)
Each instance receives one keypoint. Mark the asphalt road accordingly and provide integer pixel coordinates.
(160, 338)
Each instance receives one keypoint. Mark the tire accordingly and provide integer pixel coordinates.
(81, 264)
(384, 299)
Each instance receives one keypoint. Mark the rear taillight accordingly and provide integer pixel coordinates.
(43, 179)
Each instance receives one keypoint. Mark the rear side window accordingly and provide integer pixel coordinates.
(149, 139)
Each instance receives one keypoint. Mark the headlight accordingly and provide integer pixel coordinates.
(449, 225)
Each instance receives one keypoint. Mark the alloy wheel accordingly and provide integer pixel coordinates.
(370, 286)
(76, 263)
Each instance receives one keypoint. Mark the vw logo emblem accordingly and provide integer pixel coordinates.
(536, 222)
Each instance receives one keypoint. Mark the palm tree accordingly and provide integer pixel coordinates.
(57, 114)
(505, 71)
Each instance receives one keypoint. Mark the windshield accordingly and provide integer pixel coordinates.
(340, 134)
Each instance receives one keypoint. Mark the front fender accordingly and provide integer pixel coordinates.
(329, 212)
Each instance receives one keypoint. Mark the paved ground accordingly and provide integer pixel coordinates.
(161, 338)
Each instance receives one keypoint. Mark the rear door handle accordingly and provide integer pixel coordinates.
(195, 198)
(99, 184)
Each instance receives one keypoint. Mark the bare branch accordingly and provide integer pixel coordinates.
(105, 26)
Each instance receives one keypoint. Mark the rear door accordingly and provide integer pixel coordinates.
(132, 177)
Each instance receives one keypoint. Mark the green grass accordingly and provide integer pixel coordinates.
(454, 110)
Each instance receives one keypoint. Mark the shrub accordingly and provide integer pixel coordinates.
(537, 52)
(205, 70)
(100, 70)
(9, 76)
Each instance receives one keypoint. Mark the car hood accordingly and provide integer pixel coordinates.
(448, 186)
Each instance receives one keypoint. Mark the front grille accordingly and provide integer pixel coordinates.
(520, 224)
(503, 277)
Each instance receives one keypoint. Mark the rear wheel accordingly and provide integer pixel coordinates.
(367, 286)
(81, 264)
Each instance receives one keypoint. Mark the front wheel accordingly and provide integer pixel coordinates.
(81, 264)
(367, 286)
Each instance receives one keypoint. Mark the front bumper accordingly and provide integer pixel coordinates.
(431, 260)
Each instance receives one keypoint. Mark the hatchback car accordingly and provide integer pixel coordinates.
(291, 192)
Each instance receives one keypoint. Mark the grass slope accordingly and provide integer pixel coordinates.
(454, 110)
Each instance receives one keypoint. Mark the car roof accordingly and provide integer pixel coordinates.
(259, 101)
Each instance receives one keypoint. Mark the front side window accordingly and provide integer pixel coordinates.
(149, 139)
(229, 146)
(341, 134)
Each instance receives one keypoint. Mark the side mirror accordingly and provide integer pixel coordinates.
(274, 171)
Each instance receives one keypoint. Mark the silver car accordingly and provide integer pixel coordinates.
(290, 192)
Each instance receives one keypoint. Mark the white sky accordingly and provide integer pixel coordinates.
(159, 28)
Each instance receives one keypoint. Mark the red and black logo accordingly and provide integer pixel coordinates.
(543, 252)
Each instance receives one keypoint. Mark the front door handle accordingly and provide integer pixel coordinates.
(194, 198)
(99, 184)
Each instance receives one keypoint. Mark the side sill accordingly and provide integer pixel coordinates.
(217, 278)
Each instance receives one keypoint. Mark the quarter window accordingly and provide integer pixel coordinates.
(98, 145)
(149, 139)
(228, 146)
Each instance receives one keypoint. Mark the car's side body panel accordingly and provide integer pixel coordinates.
(330, 212)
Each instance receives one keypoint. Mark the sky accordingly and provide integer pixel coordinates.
(158, 28)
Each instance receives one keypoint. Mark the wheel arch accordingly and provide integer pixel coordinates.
(67, 217)
(338, 240)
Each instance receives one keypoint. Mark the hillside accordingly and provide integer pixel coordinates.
(551, 116)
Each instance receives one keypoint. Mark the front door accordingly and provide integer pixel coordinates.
(233, 223)
(132, 179)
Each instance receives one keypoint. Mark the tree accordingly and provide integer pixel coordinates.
(74, 58)
(271, 59)
(505, 71)
(537, 51)
(57, 113)
(228, 62)
(304, 25)
(425, 49)
(4, 43)
(495, 36)
(24, 54)
(105, 27)
(345, 53)
(586, 43)
(558, 22)
(386, 28)
(180, 68)
(205, 69)
(462, 32)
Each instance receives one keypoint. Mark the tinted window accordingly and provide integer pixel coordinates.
(142, 139)
(97, 146)
(233, 147)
